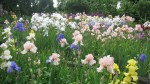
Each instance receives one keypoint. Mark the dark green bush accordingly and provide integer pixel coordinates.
(6, 16)
(143, 10)
(77, 6)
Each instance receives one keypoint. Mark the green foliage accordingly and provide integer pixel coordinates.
(27, 7)
(67, 72)
(75, 6)
(44, 6)
(6, 17)
(103, 6)
(139, 9)
(143, 10)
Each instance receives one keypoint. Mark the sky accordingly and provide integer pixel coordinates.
(55, 3)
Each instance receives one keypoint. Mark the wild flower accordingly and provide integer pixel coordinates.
(106, 62)
(147, 24)
(129, 19)
(13, 66)
(88, 60)
(7, 31)
(75, 33)
(116, 68)
(3, 46)
(14, 16)
(140, 35)
(131, 76)
(62, 40)
(78, 39)
(75, 46)
(54, 58)
(138, 27)
(21, 20)
(6, 22)
(31, 36)
(142, 57)
(20, 26)
(28, 46)
(6, 55)
(61, 36)
(4, 64)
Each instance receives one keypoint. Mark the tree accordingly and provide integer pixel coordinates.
(45, 6)
(74, 6)
(27, 7)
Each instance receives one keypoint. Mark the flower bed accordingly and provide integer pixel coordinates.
(83, 49)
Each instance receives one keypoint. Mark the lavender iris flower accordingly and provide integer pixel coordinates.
(26, 22)
(106, 25)
(92, 23)
(11, 36)
(75, 47)
(20, 26)
(124, 22)
(142, 57)
(13, 66)
(140, 35)
(61, 36)
(14, 28)
(15, 43)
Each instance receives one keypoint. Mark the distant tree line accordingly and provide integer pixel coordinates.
(139, 9)
(27, 7)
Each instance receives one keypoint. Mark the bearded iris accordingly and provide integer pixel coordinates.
(61, 36)
(13, 66)
(75, 47)
(54, 58)
(20, 26)
(142, 57)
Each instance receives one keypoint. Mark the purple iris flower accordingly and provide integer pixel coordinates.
(75, 47)
(140, 35)
(26, 22)
(20, 26)
(15, 43)
(142, 57)
(61, 36)
(13, 66)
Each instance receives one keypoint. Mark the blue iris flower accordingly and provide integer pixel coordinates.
(13, 66)
(61, 36)
(11, 36)
(20, 26)
(15, 43)
(14, 28)
(124, 22)
(75, 47)
(92, 23)
(142, 57)
(106, 25)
